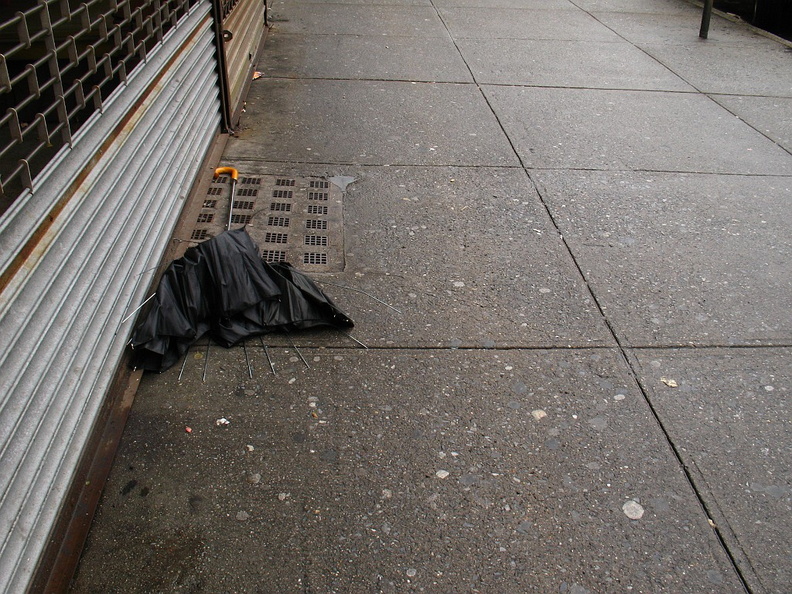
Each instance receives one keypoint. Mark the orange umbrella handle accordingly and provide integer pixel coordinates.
(234, 175)
(226, 170)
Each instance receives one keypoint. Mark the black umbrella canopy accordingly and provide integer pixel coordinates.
(224, 288)
(301, 305)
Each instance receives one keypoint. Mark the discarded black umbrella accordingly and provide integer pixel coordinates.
(223, 288)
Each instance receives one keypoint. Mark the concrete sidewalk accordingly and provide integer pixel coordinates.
(582, 213)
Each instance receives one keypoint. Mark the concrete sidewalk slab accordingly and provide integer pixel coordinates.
(362, 57)
(370, 122)
(478, 253)
(639, 6)
(358, 19)
(728, 68)
(772, 116)
(732, 413)
(595, 129)
(698, 259)
(581, 64)
(509, 23)
(518, 4)
(677, 29)
(391, 471)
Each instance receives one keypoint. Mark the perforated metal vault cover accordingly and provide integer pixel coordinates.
(293, 219)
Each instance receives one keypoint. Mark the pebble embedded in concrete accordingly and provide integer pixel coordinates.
(633, 510)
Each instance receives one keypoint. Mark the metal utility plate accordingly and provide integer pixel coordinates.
(292, 219)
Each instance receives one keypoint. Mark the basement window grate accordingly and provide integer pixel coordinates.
(276, 238)
(320, 240)
(273, 256)
(301, 223)
(314, 258)
(199, 234)
(237, 219)
(278, 221)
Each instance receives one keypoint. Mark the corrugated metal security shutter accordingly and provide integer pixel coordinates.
(77, 254)
(244, 19)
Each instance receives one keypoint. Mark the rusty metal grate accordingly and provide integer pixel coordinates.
(316, 240)
(205, 217)
(317, 195)
(199, 234)
(276, 238)
(243, 205)
(210, 204)
(273, 255)
(314, 258)
(285, 182)
(315, 209)
(316, 224)
(278, 221)
(238, 219)
(280, 207)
